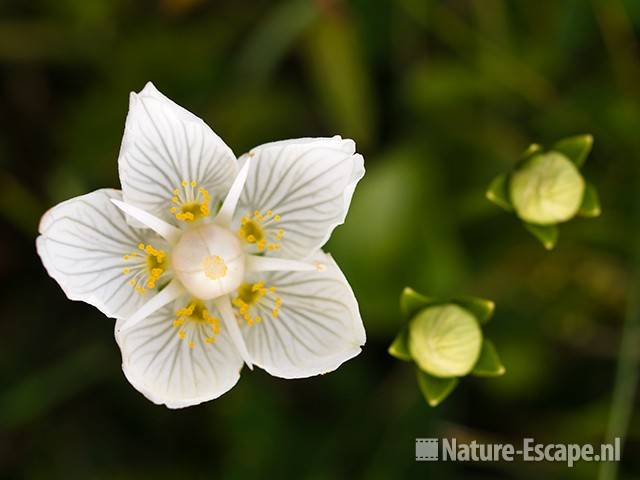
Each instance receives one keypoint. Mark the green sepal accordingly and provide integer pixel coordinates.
(547, 234)
(531, 150)
(481, 308)
(488, 364)
(399, 348)
(411, 302)
(498, 192)
(590, 202)
(575, 148)
(435, 389)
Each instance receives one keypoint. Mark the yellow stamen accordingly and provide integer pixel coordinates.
(250, 296)
(191, 204)
(196, 313)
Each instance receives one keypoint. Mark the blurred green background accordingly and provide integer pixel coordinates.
(440, 97)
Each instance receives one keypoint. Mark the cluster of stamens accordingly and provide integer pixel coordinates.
(254, 230)
(146, 273)
(250, 295)
(196, 312)
(190, 202)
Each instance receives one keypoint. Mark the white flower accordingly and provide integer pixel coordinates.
(208, 262)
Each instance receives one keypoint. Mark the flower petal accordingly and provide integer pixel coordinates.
(297, 192)
(317, 325)
(89, 249)
(175, 369)
(165, 145)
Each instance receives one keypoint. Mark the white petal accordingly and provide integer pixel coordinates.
(163, 145)
(308, 183)
(167, 370)
(83, 244)
(318, 326)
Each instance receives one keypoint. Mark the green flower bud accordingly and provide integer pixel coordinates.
(547, 189)
(445, 340)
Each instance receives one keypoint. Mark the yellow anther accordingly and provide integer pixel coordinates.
(250, 296)
(193, 314)
(209, 340)
(191, 344)
(126, 257)
(255, 229)
(191, 204)
(125, 270)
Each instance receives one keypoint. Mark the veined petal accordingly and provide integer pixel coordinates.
(296, 193)
(87, 246)
(169, 158)
(179, 357)
(301, 324)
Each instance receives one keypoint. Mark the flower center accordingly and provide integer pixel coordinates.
(209, 261)
(214, 267)
(190, 204)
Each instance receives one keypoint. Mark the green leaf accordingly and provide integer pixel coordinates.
(400, 346)
(488, 364)
(547, 234)
(435, 389)
(498, 192)
(340, 73)
(481, 308)
(411, 302)
(590, 202)
(575, 148)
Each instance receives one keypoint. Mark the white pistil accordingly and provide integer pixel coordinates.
(231, 201)
(255, 263)
(172, 291)
(228, 317)
(170, 233)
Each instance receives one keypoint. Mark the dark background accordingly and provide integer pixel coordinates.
(440, 97)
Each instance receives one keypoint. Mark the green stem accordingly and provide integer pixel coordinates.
(626, 380)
